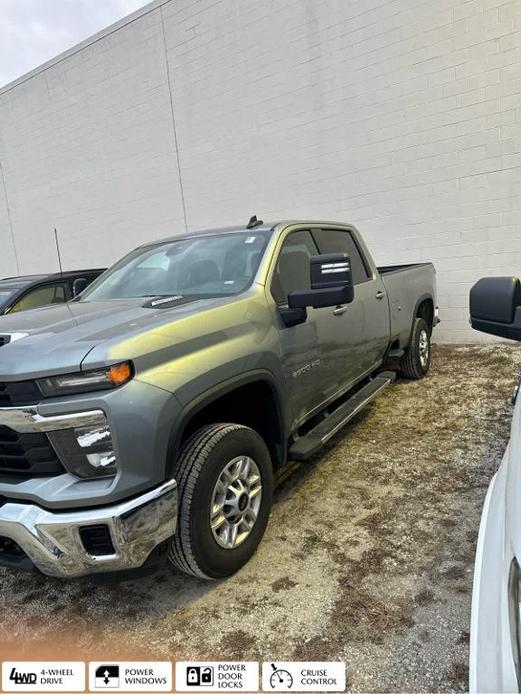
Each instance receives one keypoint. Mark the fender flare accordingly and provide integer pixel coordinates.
(214, 393)
(422, 298)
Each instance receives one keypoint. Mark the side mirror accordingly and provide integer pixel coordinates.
(331, 283)
(78, 286)
(495, 306)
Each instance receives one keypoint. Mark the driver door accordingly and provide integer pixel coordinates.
(310, 379)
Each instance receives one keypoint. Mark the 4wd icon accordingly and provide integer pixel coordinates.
(23, 677)
(107, 677)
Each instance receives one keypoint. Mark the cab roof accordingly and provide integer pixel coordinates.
(260, 227)
(210, 232)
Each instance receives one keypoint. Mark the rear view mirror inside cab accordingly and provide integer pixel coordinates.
(79, 285)
(495, 306)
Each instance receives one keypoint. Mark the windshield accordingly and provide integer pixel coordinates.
(216, 265)
(7, 292)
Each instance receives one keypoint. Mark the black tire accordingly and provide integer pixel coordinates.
(415, 362)
(194, 549)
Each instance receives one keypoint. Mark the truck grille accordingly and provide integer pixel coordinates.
(27, 455)
(17, 393)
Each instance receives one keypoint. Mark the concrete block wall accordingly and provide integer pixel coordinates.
(402, 117)
(87, 146)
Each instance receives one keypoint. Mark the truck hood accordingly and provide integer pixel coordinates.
(57, 339)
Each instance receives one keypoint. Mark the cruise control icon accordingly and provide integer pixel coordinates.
(280, 678)
(107, 677)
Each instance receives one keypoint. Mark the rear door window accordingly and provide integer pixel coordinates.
(342, 241)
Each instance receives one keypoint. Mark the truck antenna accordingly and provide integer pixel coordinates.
(254, 222)
(58, 250)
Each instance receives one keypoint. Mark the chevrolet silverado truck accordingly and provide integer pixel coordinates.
(146, 418)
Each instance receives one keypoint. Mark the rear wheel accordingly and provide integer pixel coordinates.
(225, 486)
(416, 361)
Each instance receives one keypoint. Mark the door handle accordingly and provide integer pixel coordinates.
(380, 295)
(339, 310)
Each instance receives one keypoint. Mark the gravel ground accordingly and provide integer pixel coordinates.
(368, 556)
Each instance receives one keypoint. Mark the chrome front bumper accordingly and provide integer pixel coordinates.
(52, 541)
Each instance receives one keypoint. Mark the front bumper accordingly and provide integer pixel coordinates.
(53, 543)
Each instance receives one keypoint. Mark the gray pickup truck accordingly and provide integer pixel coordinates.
(145, 418)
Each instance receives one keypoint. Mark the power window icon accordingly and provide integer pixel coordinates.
(107, 677)
(199, 676)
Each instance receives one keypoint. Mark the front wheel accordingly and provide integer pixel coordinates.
(416, 361)
(225, 486)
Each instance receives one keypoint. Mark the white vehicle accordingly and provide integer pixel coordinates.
(495, 632)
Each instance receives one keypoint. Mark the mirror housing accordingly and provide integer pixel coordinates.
(331, 283)
(495, 306)
(78, 286)
(293, 316)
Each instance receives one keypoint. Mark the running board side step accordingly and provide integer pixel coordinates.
(306, 446)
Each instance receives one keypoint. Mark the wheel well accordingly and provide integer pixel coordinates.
(425, 310)
(255, 405)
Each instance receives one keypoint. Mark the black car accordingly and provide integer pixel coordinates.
(33, 291)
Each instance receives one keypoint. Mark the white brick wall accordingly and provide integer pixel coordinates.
(402, 117)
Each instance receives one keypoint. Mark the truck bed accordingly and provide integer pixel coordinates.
(406, 286)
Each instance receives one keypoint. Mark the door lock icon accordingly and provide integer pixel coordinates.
(199, 676)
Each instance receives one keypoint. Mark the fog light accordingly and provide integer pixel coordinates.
(87, 436)
(102, 459)
(86, 451)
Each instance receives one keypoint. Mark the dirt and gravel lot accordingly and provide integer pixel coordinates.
(368, 556)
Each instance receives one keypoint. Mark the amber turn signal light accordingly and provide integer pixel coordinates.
(119, 374)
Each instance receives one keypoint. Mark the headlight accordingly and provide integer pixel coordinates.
(87, 381)
(514, 596)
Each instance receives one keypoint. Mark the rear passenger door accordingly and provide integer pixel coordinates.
(364, 323)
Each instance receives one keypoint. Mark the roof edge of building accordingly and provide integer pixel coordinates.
(82, 45)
